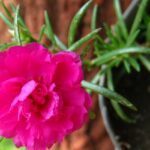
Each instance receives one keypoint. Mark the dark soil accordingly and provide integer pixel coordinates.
(135, 87)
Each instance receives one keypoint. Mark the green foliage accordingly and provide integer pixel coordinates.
(83, 40)
(139, 16)
(92, 115)
(16, 27)
(119, 53)
(115, 105)
(94, 17)
(109, 94)
(49, 31)
(122, 47)
(6, 144)
(121, 23)
(76, 21)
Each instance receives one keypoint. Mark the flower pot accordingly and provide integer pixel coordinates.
(135, 136)
(135, 87)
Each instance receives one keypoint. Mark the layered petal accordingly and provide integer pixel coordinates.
(68, 69)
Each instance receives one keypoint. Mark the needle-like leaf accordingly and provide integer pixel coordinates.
(16, 28)
(49, 31)
(112, 55)
(76, 21)
(109, 94)
(83, 40)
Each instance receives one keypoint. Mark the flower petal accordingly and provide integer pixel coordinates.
(26, 90)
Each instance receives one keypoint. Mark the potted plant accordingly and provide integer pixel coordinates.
(45, 96)
(125, 66)
(42, 89)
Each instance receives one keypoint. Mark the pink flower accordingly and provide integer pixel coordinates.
(41, 98)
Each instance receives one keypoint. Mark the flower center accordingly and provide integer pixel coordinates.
(39, 97)
(39, 94)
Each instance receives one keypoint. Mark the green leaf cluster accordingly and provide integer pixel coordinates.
(121, 39)
(122, 47)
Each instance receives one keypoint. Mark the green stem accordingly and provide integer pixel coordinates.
(145, 62)
(109, 94)
(116, 105)
(49, 31)
(112, 55)
(94, 17)
(83, 40)
(138, 17)
(121, 22)
(76, 21)
(1, 139)
(16, 27)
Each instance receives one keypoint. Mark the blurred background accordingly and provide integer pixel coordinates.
(93, 135)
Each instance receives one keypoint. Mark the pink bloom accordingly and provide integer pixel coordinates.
(41, 98)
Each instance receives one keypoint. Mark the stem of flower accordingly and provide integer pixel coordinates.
(109, 94)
